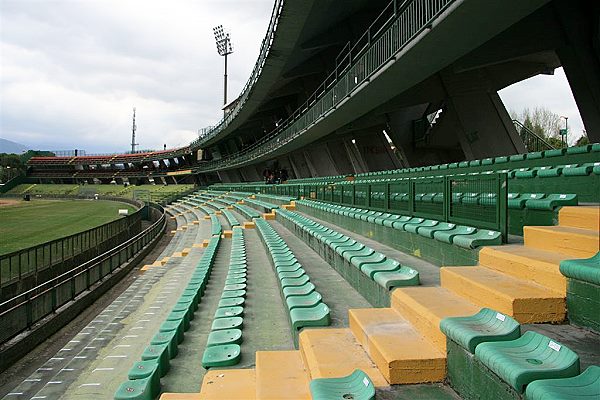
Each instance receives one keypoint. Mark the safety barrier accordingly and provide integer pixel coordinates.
(68, 251)
(21, 312)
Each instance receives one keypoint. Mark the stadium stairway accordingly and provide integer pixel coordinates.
(403, 344)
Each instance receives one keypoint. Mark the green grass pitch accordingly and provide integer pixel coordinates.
(26, 224)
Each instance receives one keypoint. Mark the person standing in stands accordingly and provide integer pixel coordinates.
(266, 174)
(283, 175)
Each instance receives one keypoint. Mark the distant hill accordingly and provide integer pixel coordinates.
(7, 146)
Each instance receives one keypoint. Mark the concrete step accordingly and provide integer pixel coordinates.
(585, 217)
(330, 353)
(575, 242)
(539, 266)
(401, 353)
(525, 301)
(227, 384)
(425, 307)
(281, 375)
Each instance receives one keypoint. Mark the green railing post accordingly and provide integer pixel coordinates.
(502, 204)
(447, 195)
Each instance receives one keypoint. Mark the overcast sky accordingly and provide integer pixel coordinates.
(72, 70)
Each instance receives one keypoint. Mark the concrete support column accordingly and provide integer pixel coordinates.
(483, 126)
(376, 150)
(319, 161)
(580, 58)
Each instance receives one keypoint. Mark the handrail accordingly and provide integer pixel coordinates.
(25, 300)
(392, 30)
(531, 140)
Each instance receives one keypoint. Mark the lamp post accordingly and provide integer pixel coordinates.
(564, 132)
(224, 48)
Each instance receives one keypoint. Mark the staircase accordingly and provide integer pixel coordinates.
(403, 344)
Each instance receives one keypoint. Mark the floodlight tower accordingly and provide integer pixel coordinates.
(133, 129)
(224, 48)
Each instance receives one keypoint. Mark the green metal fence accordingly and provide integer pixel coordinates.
(474, 200)
(24, 310)
(60, 252)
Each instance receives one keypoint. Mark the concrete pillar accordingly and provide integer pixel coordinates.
(320, 160)
(299, 165)
(483, 126)
(580, 58)
(376, 150)
(341, 159)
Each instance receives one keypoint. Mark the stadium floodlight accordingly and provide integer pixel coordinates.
(224, 48)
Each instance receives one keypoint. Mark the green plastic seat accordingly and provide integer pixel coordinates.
(306, 301)
(235, 281)
(485, 326)
(160, 354)
(169, 338)
(310, 316)
(221, 356)
(293, 274)
(579, 149)
(413, 228)
(526, 359)
(173, 326)
(232, 302)
(357, 386)
(303, 290)
(362, 252)
(549, 172)
(227, 323)
(389, 222)
(586, 269)
(428, 231)
(234, 287)
(373, 259)
(232, 293)
(583, 386)
(179, 315)
(404, 276)
(400, 225)
(520, 201)
(287, 282)
(447, 236)
(291, 268)
(137, 389)
(551, 201)
(481, 237)
(226, 336)
(387, 265)
(228, 312)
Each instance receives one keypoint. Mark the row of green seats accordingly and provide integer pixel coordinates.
(223, 344)
(304, 303)
(285, 199)
(530, 363)
(249, 212)
(460, 235)
(266, 207)
(231, 219)
(548, 154)
(584, 169)
(386, 272)
(143, 380)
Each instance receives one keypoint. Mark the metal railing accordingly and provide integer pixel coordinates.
(396, 26)
(24, 310)
(63, 252)
(531, 140)
(478, 200)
